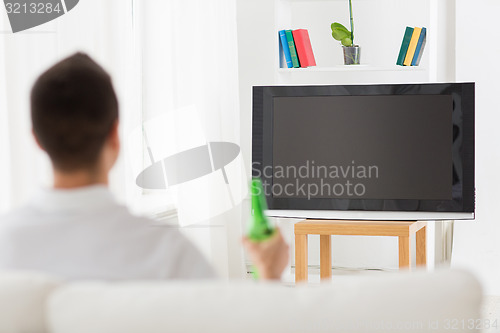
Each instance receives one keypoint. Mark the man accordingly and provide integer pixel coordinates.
(76, 230)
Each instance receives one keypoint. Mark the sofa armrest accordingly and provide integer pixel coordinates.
(23, 297)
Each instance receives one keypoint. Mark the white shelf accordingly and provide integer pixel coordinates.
(313, 0)
(378, 55)
(354, 68)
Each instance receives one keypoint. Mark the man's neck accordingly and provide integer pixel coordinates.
(76, 179)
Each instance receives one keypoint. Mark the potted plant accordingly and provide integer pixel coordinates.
(346, 38)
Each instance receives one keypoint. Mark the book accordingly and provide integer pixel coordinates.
(420, 48)
(304, 48)
(285, 48)
(291, 46)
(412, 47)
(404, 46)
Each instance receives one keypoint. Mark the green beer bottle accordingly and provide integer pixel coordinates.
(259, 228)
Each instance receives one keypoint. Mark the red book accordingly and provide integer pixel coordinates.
(304, 48)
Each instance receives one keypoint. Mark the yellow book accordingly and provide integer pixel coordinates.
(412, 47)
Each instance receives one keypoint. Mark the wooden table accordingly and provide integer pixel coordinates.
(326, 228)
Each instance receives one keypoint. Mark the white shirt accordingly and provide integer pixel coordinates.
(85, 234)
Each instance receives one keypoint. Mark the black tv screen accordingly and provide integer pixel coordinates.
(366, 148)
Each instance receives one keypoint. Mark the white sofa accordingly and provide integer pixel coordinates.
(399, 302)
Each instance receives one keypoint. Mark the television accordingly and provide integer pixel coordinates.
(367, 152)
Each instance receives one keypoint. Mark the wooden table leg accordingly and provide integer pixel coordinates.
(300, 258)
(325, 253)
(421, 247)
(404, 252)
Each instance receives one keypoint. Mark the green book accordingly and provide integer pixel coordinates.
(404, 46)
(291, 46)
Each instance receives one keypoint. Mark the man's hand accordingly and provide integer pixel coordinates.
(270, 257)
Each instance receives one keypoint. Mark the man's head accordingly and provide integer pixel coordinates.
(74, 112)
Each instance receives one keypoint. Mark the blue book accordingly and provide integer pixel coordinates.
(286, 49)
(420, 48)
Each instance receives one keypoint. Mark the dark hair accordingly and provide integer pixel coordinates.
(73, 109)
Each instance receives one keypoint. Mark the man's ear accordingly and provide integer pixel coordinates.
(36, 140)
(114, 136)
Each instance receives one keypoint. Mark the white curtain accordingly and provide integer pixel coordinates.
(22, 57)
(102, 30)
(190, 100)
(174, 66)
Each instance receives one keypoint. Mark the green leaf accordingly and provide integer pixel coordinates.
(346, 41)
(338, 26)
(340, 34)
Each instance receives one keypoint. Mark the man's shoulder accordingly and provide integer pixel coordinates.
(113, 223)
(109, 216)
(17, 216)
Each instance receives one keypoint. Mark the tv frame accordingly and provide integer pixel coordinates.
(462, 207)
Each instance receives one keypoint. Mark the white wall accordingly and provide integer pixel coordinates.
(477, 244)
(258, 23)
